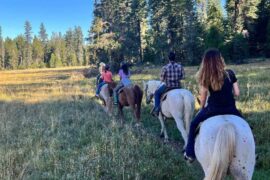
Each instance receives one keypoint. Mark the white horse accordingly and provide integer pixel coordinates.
(179, 104)
(225, 144)
(104, 95)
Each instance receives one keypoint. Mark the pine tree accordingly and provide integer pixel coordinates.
(201, 6)
(262, 27)
(2, 50)
(43, 36)
(57, 46)
(193, 35)
(138, 17)
(214, 35)
(10, 54)
(21, 48)
(214, 14)
(267, 43)
(70, 48)
(78, 43)
(28, 38)
(38, 53)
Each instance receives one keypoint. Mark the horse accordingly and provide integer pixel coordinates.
(106, 98)
(129, 96)
(179, 104)
(225, 144)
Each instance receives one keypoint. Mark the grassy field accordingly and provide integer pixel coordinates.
(51, 127)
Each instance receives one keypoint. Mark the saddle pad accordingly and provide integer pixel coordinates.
(164, 95)
(121, 89)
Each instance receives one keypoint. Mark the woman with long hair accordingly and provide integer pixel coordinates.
(220, 86)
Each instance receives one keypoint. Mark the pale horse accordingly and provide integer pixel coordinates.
(106, 99)
(225, 144)
(179, 104)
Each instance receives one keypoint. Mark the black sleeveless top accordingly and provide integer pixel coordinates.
(224, 97)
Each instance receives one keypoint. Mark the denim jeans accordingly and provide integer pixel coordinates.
(115, 92)
(98, 80)
(99, 87)
(158, 94)
(202, 115)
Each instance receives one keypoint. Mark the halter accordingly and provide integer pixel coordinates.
(150, 99)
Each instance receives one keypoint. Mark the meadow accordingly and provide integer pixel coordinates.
(52, 127)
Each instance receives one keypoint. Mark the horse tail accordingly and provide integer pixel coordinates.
(189, 105)
(138, 100)
(224, 149)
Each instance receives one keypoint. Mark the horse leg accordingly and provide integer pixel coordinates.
(180, 126)
(163, 131)
(138, 114)
(120, 113)
(109, 106)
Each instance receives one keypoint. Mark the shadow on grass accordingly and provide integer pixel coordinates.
(73, 138)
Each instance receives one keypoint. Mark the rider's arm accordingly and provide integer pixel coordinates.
(203, 96)
(163, 75)
(182, 73)
(236, 89)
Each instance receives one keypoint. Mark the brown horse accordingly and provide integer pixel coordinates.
(129, 96)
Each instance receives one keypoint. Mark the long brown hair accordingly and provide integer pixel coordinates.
(212, 70)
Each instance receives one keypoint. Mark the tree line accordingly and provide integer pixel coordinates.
(146, 30)
(140, 31)
(28, 51)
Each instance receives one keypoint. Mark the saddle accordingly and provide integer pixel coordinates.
(121, 89)
(164, 94)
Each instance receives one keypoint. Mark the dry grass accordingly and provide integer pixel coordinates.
(52, 128)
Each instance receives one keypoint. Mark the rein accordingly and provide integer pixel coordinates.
(152, 94)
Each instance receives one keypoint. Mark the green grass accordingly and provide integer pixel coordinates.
(52, 128)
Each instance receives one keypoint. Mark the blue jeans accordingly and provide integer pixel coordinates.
(202, 115)
(115, 92)
(158, 94)
(99, 87)
(98, 80)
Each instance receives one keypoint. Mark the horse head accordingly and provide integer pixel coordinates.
(149, 88)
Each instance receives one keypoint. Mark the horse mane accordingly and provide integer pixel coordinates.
(138, 94)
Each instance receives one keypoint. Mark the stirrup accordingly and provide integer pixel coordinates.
(154, 112)
(188, 158)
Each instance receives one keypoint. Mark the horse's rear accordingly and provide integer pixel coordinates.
(132, 96)
(129, 96)
(179, 104)
(105, 97)
(226, 144)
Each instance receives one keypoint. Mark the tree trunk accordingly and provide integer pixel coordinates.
(140, 42)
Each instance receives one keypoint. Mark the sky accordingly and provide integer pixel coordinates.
(57, 15)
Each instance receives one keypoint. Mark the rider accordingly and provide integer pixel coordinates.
(220, 83)
(106, 77)
(100, 70)
(171, 75)
(124, 75)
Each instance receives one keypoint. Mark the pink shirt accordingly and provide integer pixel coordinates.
(107, 76)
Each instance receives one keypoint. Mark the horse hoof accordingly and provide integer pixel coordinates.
(137, 125)
(183, 150)
(166, 141)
